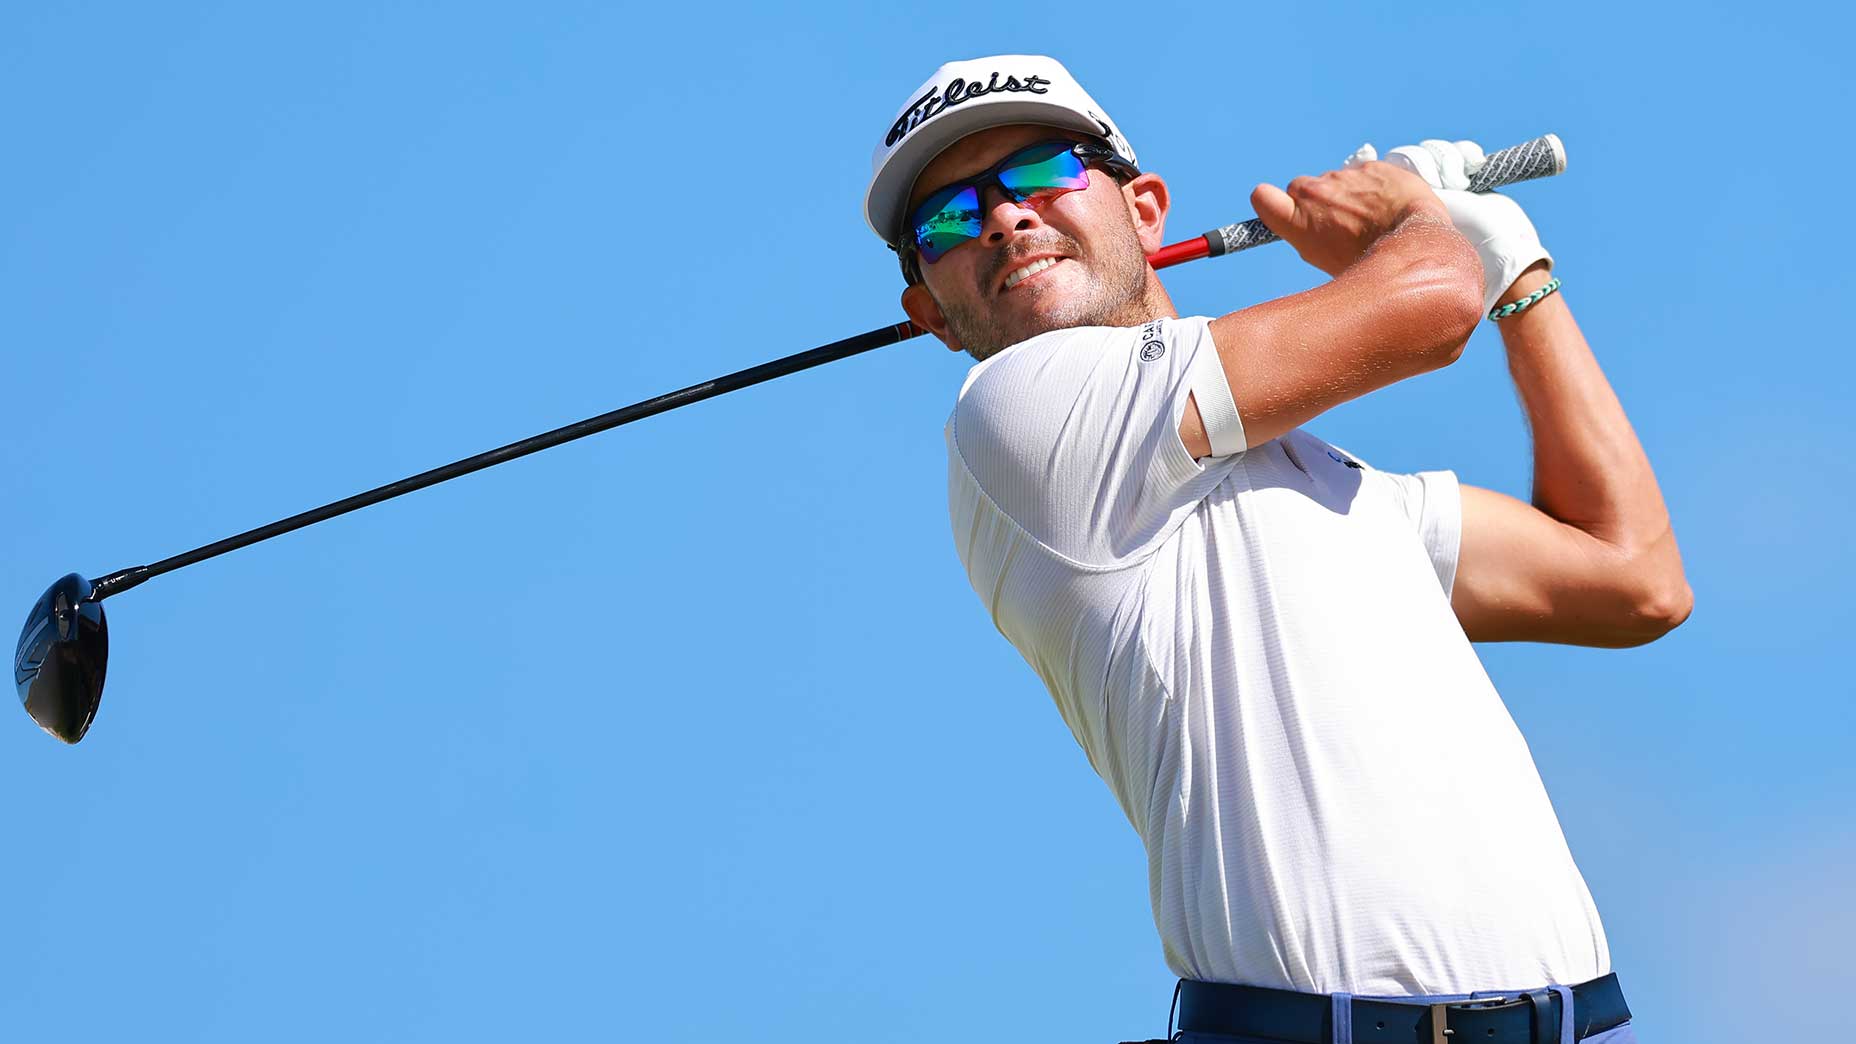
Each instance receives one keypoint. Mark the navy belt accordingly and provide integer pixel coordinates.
(1521, 1017)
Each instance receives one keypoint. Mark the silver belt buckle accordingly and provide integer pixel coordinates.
(1440, 1019)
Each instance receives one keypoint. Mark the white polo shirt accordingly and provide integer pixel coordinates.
(1257, 653)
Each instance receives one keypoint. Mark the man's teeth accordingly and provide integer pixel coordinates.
(1031, 269)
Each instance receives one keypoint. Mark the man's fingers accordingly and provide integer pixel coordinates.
(1274, 207)
(1419, 161)
(1450, 163)
(1442, 164)
(1473, 156)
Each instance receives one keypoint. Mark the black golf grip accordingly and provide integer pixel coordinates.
(1543, 157)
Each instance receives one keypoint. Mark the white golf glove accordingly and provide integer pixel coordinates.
(1495, 225)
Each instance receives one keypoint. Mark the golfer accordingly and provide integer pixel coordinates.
(1262, 642)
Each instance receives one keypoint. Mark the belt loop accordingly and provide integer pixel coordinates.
(1539, 1003)
(1343, 1018)
(1566, 1031)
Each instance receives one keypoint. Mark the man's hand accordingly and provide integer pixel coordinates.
(1495, 225)
(1331, 220)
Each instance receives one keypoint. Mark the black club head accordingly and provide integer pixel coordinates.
(62, 653)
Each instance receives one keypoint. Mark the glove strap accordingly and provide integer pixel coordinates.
(1512, 307)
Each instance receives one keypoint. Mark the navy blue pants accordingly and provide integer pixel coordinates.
(1343, 1020)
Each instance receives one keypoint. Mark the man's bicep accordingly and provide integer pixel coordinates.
(1525, 576)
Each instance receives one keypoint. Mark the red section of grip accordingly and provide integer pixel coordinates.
(1190, 250)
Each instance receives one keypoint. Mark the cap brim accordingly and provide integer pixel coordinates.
(889, 191)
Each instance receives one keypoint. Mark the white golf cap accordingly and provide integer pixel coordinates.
(964, 97)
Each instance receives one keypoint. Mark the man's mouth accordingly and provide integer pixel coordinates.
(1019, 275)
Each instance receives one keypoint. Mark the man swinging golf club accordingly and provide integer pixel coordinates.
(1262, 643)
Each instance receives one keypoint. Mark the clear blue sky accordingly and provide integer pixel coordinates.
(694, 731)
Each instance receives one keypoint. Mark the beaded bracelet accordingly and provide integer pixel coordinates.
(1498, 314)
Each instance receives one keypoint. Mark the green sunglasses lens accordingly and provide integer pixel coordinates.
(947, 219)
(1041, 169)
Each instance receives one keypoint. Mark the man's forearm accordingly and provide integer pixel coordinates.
(1590, 471)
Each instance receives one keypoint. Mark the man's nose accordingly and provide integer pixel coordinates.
(1005, 214)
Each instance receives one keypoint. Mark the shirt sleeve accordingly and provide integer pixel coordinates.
(1074, 434)
(1433, 504)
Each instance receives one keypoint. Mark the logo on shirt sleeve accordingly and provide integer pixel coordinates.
(1152, 347)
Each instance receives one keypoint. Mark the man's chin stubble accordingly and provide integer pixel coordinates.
(983, 339)
(1112, 297)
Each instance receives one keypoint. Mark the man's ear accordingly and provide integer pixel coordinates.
(1147, 206)
(925, 312)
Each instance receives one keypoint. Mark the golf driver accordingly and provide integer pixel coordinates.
(64, 646)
